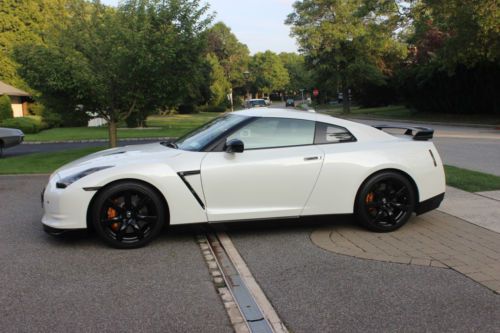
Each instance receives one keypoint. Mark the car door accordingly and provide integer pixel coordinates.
(272, 177)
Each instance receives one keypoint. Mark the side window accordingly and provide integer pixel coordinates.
(275, 132)
(328, 133)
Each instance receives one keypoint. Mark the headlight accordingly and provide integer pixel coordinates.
(65, 182)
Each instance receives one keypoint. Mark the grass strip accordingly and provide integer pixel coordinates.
(471, 181)
(42, 162)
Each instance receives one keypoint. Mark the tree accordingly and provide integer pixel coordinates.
(219, 85)
(146, 54)
(268, 72)
(456, 32)
(347, 40)
(232, 55)
(26, 22)
(300, 75)
(454, 63)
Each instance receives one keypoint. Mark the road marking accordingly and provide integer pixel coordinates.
(246, 304)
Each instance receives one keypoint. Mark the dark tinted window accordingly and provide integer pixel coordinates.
(328, 133)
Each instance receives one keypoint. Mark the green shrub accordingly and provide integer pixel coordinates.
(212, 108)
(29, 124)
(5, 107)
(49, 117)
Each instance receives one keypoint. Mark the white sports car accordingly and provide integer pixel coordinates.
(248, 165)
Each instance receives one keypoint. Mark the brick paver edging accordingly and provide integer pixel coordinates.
(434, 239)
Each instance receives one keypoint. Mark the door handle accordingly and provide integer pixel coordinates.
(311, 158)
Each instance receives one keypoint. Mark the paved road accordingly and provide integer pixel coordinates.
(76, 284)
(27, 148)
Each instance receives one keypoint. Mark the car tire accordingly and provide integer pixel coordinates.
(1, 149)
(385, 202)
(128, 215)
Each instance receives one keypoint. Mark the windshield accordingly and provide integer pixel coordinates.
(198, 139)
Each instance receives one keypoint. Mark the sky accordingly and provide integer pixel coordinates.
(257, 23)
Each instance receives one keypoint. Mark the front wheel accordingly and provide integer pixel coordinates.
(128, 215)
(385, 202)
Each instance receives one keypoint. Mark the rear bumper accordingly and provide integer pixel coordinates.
(429, 204)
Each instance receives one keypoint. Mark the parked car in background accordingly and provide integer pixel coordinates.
(249, 165)
(10, 137)
(267, 100)
(255, 103)
(290, 102)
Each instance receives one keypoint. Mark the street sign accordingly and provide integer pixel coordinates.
(315, 92)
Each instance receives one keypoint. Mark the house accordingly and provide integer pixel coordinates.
(18, 98)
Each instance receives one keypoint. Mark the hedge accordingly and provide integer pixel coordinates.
(29, 124)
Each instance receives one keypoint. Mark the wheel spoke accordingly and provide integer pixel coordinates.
(128, 199)
(142, 202)
(147, 218)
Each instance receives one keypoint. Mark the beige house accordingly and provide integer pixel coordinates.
(18, 98)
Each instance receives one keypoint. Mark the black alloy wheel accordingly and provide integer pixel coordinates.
(385, 202)
(128, 215)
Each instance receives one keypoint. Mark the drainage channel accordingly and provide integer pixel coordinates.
(232, 287)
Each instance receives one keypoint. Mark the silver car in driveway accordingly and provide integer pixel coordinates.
(10, 137)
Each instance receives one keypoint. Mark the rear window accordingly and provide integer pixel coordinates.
(328, 133)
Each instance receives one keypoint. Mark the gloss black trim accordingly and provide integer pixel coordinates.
(189, 173)
(418, 133)
(429, 204)
(182, 175)
(54, 231)
(95, 188)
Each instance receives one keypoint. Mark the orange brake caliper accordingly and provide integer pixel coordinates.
(112, 214)
(369, 199)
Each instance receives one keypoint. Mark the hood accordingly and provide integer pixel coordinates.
(117, 157)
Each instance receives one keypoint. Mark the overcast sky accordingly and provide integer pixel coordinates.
(257, 23)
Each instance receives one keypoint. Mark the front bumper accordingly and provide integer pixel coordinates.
(65, 208)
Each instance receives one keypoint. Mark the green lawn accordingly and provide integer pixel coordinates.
(471, 181)
(402, 112)
(158, 126)
(42, 162)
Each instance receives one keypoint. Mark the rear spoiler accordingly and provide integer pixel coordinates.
(418, 133)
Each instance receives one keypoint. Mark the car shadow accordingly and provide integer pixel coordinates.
(82, 238)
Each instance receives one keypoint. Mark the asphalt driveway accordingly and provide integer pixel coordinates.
(76, 284)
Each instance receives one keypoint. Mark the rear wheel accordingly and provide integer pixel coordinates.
(385, 202)
(128, 215)
(1, 148)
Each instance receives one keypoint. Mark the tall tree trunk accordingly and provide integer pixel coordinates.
(113, 141)
(346, 103)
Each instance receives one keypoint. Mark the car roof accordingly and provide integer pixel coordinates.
(360, 131)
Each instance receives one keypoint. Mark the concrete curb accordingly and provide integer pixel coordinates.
(95, 140)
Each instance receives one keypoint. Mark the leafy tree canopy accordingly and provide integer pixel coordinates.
(144, 54)
(268, 72)
(232, 55)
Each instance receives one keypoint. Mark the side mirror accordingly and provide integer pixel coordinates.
(234, 146)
